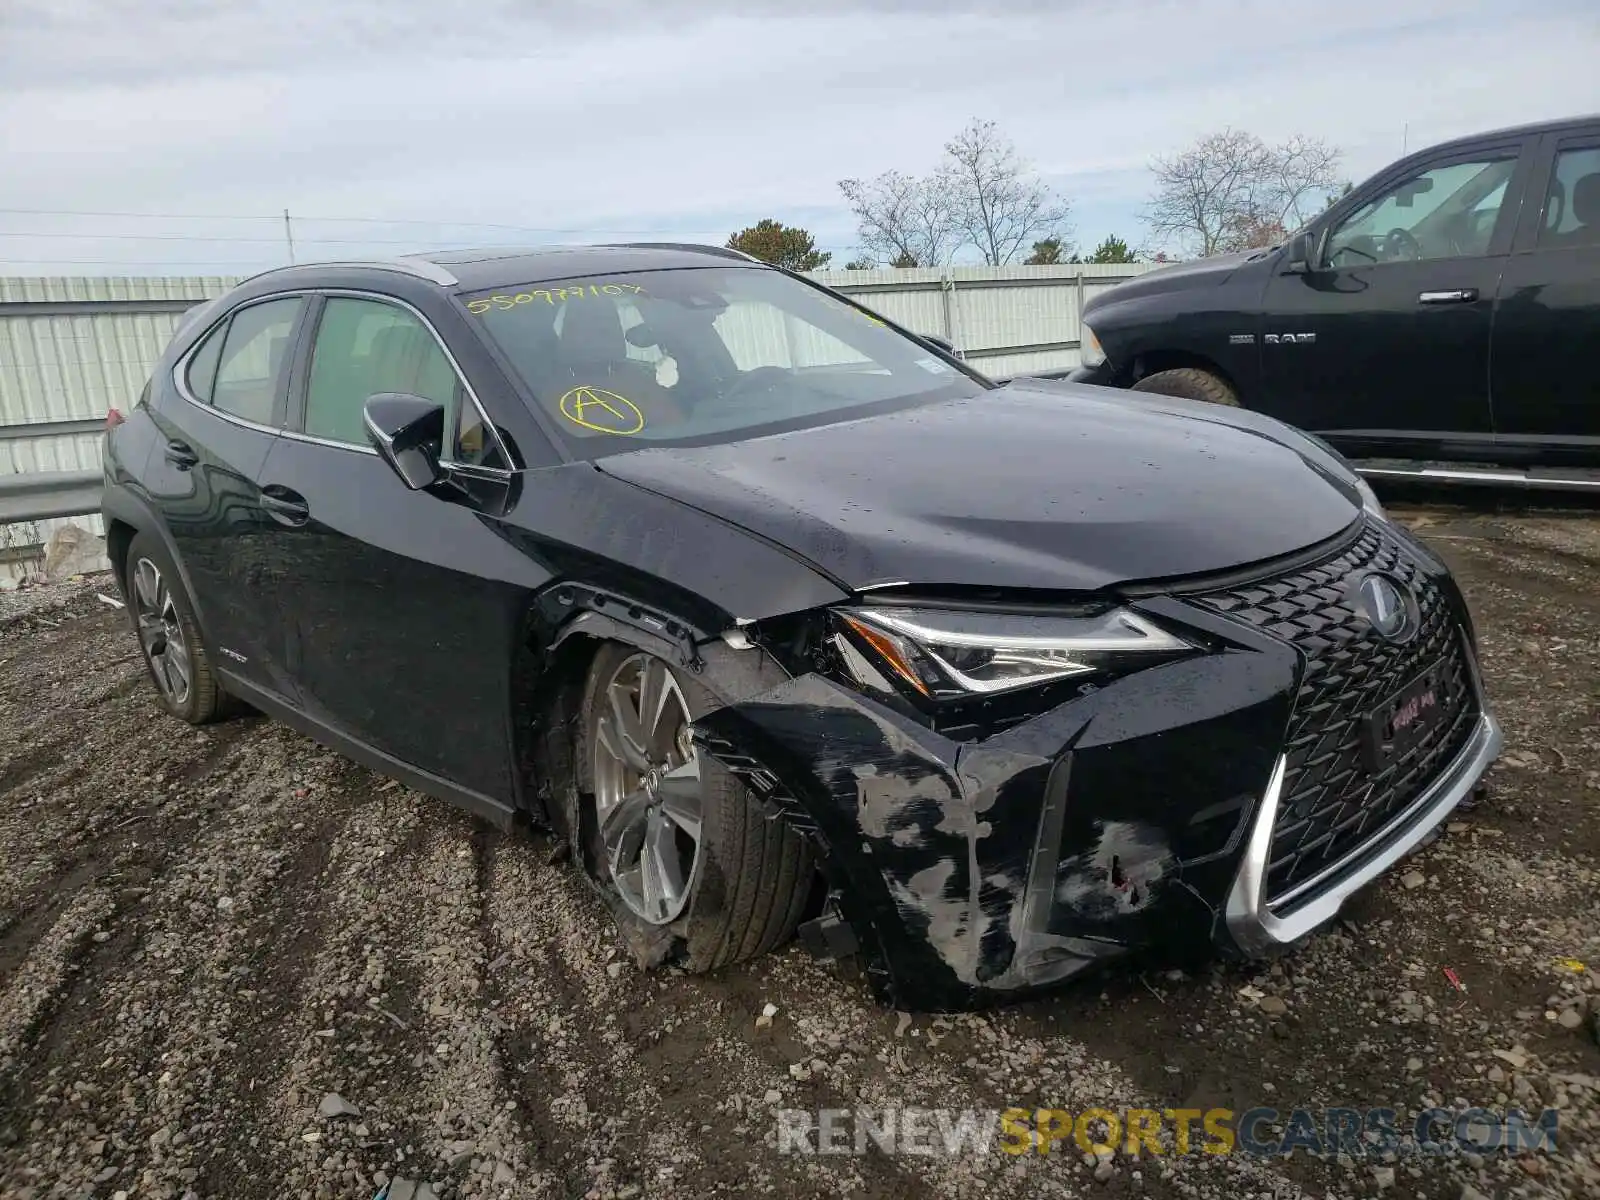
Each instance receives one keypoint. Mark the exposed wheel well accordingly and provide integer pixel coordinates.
(1167, 360)
(548, 694)
(546, 699)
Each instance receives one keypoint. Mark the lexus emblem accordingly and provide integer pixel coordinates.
(1385, 606)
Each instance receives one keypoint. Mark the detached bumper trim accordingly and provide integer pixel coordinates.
(1257, 930)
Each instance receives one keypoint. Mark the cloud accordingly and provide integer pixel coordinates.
(689, 118)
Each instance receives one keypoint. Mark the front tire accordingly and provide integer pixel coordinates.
(694, 870)
(169, 638)
(1190, 383)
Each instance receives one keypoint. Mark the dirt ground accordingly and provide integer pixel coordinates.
(204, 933)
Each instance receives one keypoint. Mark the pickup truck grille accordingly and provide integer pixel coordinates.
(1332, 801)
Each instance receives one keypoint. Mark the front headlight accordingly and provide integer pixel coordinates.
(1090, 352)
(946, 653)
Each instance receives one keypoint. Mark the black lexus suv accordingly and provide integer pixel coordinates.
(1440, 320)
(783, 618)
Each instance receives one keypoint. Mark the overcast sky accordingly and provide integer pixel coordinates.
(603, 119)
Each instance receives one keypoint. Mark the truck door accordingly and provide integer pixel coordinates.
(1382, 344)
(1543, 379)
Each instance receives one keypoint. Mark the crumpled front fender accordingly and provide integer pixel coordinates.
(881, 795)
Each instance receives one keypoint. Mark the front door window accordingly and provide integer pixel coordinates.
(1444, 212)
(368, 346)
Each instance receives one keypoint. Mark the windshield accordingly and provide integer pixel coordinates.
(703, 355)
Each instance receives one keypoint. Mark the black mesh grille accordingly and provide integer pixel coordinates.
(1332, 799)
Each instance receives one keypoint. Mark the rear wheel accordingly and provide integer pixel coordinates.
(1189, 383)
(169, 639)
(693, 867)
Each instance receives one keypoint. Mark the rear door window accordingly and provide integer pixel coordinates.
(254, 358)
(1572, 199)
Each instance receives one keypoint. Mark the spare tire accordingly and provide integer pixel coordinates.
(1189, 383)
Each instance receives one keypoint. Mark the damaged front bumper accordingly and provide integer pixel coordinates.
(1138, 817)
(969, 870)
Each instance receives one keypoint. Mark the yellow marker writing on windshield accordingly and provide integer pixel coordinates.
(601, 410)
(558, 295)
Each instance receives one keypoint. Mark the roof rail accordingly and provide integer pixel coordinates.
(426, 268)
(406, 264)
(719, 251)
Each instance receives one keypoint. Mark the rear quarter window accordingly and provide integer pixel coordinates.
(202, 371)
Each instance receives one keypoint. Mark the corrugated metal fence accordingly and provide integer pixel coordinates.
(71, 348)
(1005, 320)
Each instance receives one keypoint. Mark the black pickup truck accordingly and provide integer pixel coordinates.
(1442, 319)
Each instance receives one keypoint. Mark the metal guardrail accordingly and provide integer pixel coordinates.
(41, 495)
(33, 429)
(44, 494)
(79, 308)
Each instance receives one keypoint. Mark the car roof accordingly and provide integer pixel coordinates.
(503, 266)
(1512, 131)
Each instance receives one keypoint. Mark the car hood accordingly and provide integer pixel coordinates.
(1047, 487)
(1201, 273)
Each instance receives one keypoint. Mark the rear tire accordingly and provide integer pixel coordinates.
(169, 638)
(1189, 383)
(751, 876)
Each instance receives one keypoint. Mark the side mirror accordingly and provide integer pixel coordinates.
(408, 432)
(947, 346)
(1297, 259)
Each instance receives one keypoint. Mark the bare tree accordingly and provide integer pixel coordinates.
(983, 194)
(1249, 231)
(1230, 190)
(903, 220)
(1301, 166)
(999, 205)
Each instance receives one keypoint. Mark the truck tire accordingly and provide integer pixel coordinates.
(1189, 383)
(751, 875)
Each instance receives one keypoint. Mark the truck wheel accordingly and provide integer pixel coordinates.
(694, 870)
(1189, 383)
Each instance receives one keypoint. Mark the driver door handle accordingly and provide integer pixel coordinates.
(180, 454)
(1456, 296)
(284, 505)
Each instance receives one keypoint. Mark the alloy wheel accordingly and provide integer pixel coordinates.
(160, 631)
(647, 793)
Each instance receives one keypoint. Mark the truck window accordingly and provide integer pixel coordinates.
(1445, 212)
(1572, 200)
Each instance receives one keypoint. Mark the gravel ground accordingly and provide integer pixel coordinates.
(205, 933)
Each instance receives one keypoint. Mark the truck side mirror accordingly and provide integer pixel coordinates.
(1297, 259)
